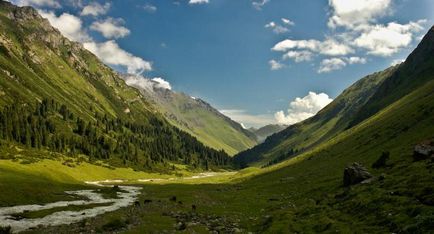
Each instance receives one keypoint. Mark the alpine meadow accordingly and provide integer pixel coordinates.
(216, 116)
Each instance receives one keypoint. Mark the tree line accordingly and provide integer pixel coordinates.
(52, 126)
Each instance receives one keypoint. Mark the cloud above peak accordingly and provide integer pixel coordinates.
(302, 108)
(110, 28)
(95, 9)
(69, 25)
(148, 84)
(110, 53)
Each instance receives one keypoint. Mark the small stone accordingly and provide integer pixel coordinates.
(355, 173)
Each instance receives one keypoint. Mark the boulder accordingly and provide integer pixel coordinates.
(423, 150)
(355, 173)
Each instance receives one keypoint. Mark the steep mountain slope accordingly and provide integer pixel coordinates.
(360, 101)
(331, 120)
(57, 96)
(196, 117)
(263, 132)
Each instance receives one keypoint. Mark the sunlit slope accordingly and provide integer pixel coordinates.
(36, 61)
(331, 120)
(312, 183)
(361, 100)
(102, 116)
(201, 120)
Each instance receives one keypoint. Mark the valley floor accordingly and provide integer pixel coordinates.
(275, 200)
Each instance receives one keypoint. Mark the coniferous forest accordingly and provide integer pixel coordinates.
(53, 126)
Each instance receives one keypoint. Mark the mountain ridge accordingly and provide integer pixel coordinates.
(86, 107)
(354, 105)
(195, 116)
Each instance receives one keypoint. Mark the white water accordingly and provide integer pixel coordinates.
(198, 176)
(125, 198)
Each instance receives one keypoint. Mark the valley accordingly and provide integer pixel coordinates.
(86, 149)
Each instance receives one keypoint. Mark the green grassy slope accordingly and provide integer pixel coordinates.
(37, 63)
(201, 120)
(305, 194)
(360, 101)
(330, 121)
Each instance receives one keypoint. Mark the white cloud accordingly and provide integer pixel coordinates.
(328, 65)
(110, 28)
(149, 8)
(354, 28)
(142, 83)
(191, 2)
(69, 25)
(327, 47)
(354, 60)
(303, 108)
(37, 3)
(95, 9)
(288, 22)
(275, 65)
(385, 40)
(110, 53)
(259, 4)
(352, 13)
(278, 29)
(161, 83)
(298, 56)
(242, 116)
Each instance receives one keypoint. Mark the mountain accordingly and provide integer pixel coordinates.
(58, 97)
(263, 132)
(357, 103)
(195, 116)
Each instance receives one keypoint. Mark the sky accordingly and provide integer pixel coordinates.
(257, 61)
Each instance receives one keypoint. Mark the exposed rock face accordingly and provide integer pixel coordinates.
(355, 173)
(423, 150)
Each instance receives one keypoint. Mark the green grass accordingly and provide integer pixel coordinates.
(305, 194)
(207, 125)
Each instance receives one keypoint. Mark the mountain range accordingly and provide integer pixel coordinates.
(362, 164)
(195, 116)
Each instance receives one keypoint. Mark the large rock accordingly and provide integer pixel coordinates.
(423, 150)
(355, 173)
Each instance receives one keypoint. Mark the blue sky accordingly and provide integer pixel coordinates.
(262, 61)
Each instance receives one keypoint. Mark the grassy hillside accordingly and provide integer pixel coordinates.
(57, 96)
(305, 194)
(330, 121)
(358, 102)
(200, 119)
